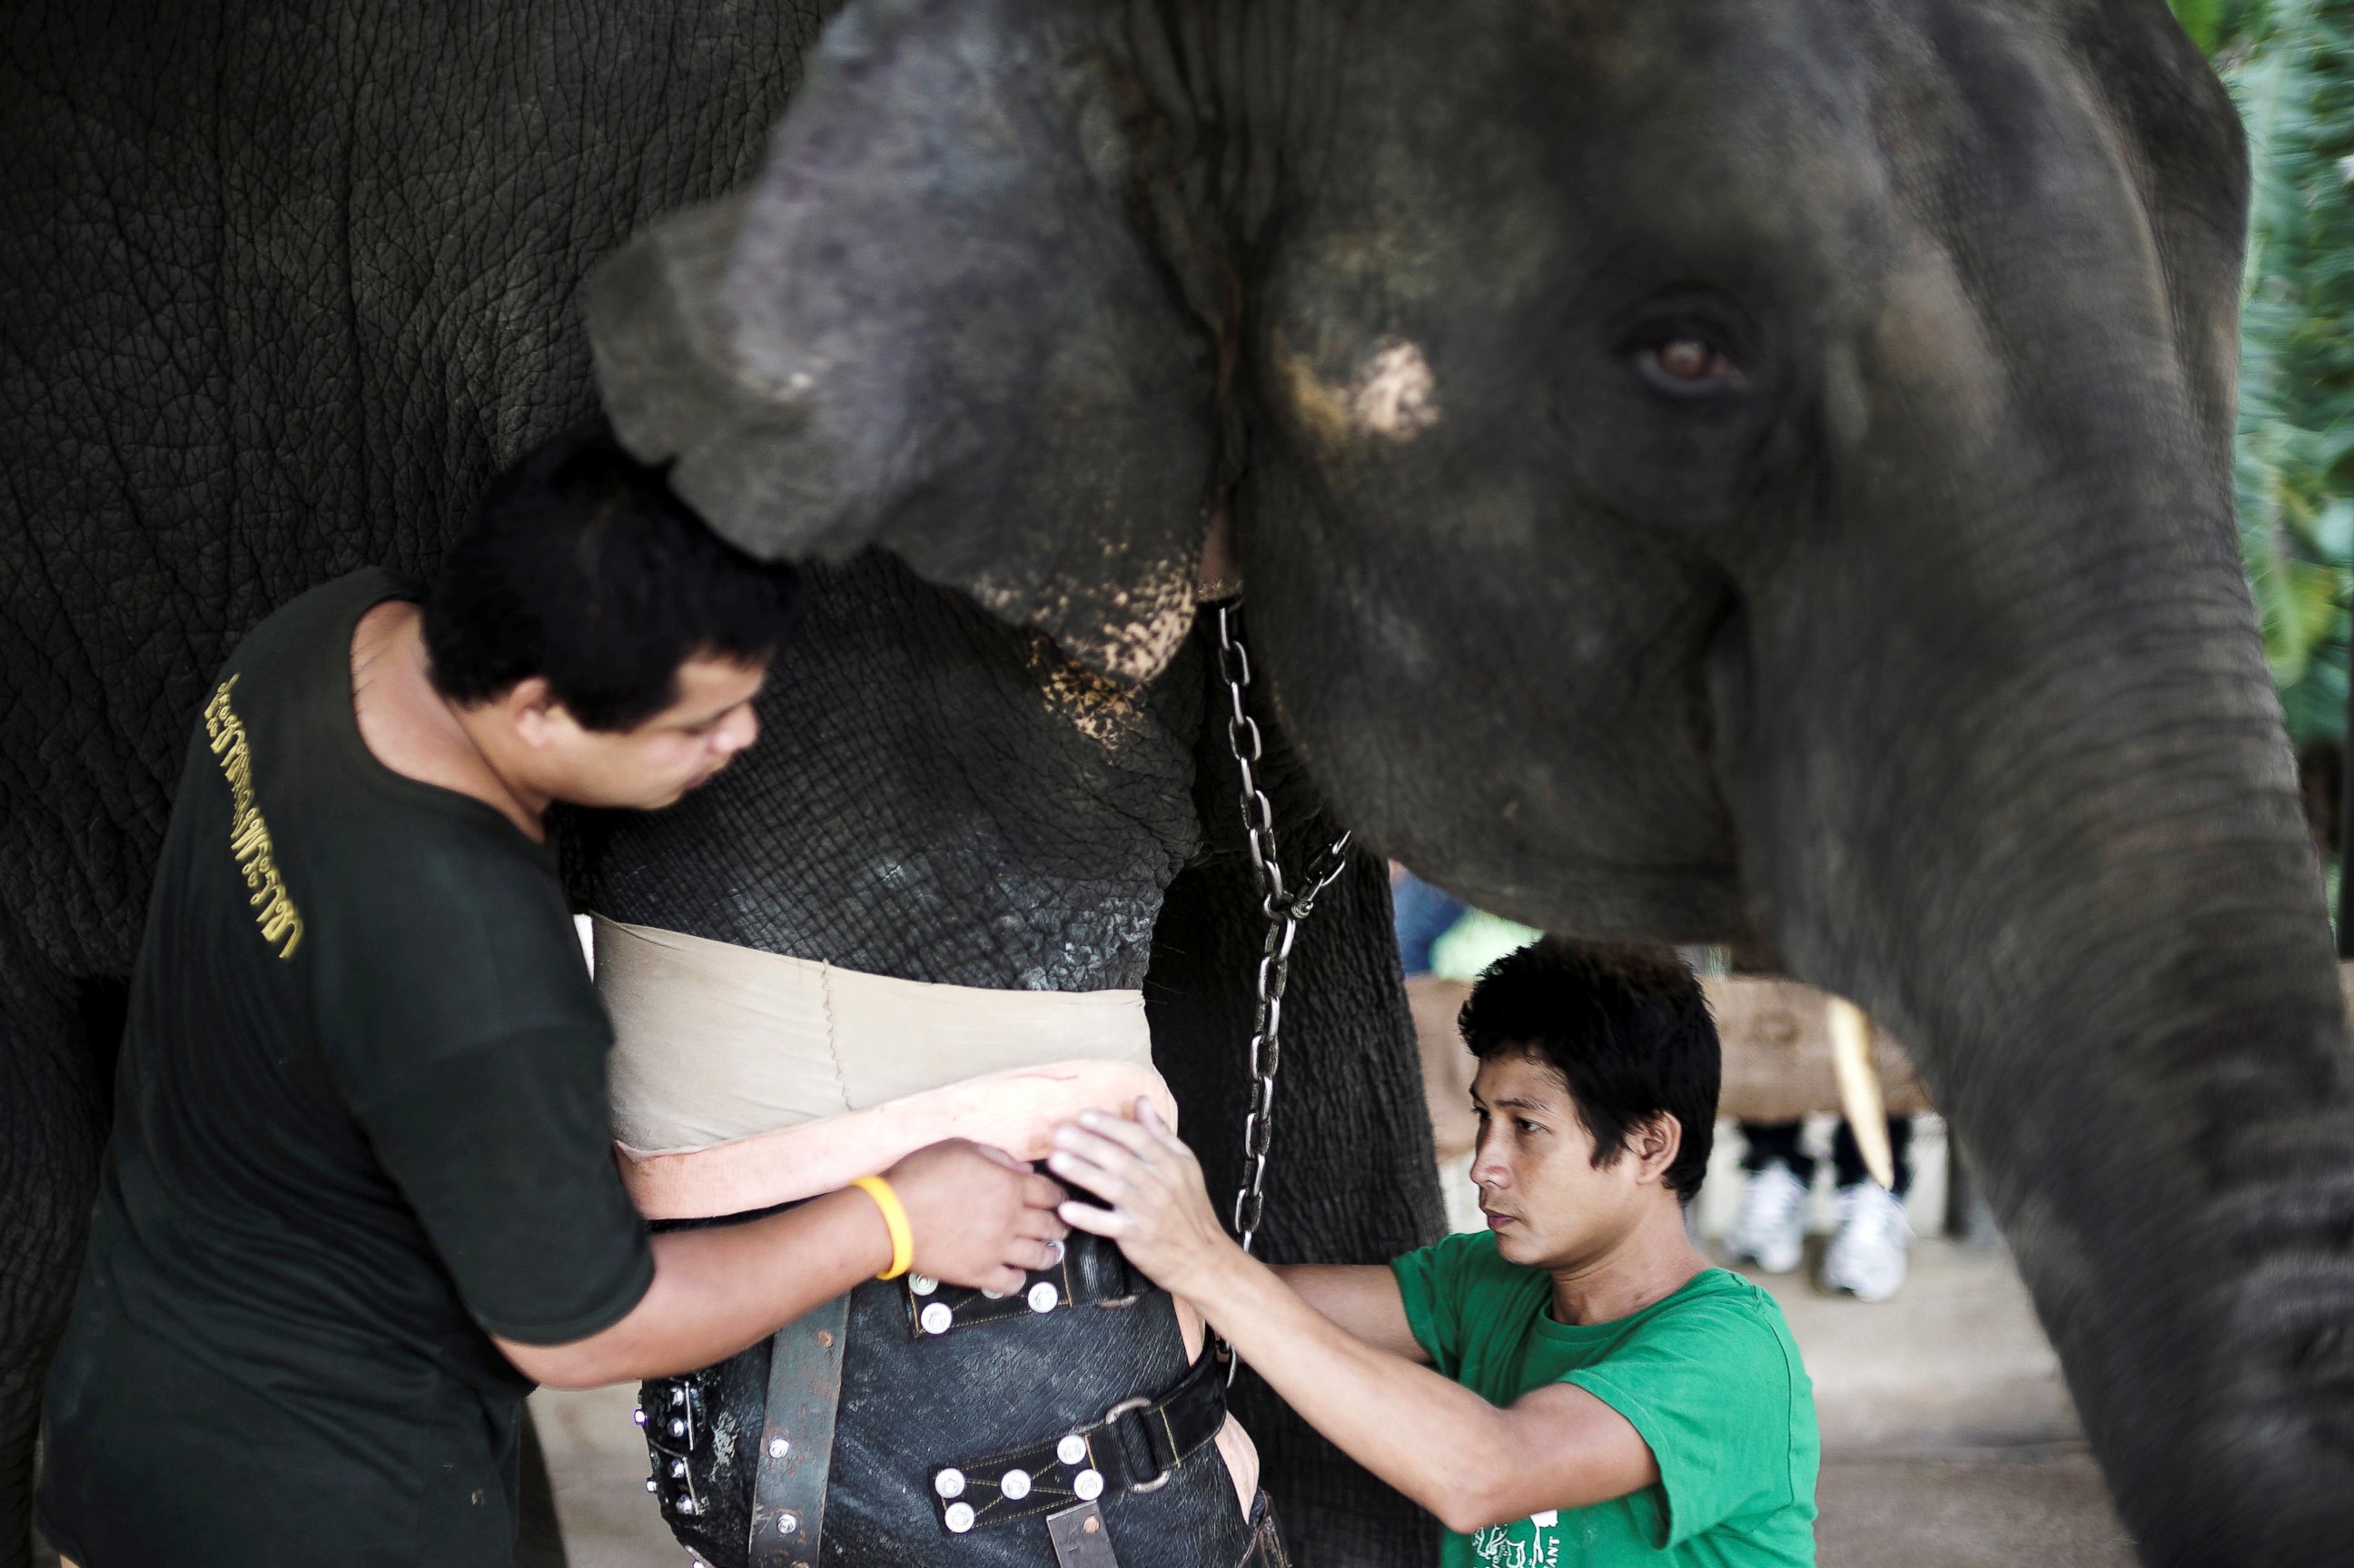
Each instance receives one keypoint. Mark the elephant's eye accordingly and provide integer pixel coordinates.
(1687, 364)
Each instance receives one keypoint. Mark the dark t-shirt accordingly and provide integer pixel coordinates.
(361, 1119)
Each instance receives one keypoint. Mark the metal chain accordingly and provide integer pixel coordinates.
(1284, 911)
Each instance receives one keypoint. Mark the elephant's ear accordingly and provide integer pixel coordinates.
(959, 314)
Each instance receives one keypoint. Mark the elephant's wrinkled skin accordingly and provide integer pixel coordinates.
(1911, 641)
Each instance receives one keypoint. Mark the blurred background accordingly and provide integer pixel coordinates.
(2290, 68)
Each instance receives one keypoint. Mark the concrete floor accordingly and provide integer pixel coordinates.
(1948, 1440)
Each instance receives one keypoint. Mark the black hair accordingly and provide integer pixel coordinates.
(580, 566)
(1627, 1029)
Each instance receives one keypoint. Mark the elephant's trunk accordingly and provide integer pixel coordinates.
(2050, 836)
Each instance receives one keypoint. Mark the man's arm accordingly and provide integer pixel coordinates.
(1464, 1460)
(979, 1219)
(1362, 1299)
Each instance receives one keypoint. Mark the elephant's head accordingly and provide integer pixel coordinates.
(1722, 469)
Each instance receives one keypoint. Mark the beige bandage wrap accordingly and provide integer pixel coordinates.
(742, 1079)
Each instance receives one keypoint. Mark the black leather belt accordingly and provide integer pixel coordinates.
(1079, 1276)
(766, 1461)
(1134, 1446)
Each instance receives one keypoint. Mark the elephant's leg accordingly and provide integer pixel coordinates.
(57, 1047)
(1351, 1177)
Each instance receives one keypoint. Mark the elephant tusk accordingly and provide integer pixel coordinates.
(1858, 1085)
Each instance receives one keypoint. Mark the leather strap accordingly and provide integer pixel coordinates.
(797, 1438)
(1267, 1549)
(1080, 1538)
(1135, 1446)
(1088, 1271)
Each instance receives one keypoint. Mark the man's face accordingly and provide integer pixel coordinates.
(1533, 1165)
(654, 763)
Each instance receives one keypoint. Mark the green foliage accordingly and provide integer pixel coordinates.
(2290, 68)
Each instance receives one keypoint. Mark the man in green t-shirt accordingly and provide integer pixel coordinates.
(1600, 1395)
(360, 1192)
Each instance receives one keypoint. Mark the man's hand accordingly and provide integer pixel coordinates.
(1158, 1209)
(981, 1217)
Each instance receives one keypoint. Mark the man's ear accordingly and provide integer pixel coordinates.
(963, 313)
(530, 707)
(1655, 1141)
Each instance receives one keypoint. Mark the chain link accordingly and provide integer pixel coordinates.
(1283, 909)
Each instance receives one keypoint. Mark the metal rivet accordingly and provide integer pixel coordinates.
(936, 1319)
(825, 1338)
(678, 1428)
(1094, 1522)
(778, 1448)
(958, 1518)
(1043, 1298)
(687, 1505)
(1015, 1484)
(1087, 1485)
(788, 1523)
(922, 1284)
(949, 1483)
(1071, 1449)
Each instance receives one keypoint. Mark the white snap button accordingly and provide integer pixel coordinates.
(1071, 1449)
(936, 1319)
(1043, 1296)
(1015, 1484)
(922, 1284)
(959, 1517)
(1087, 1485)
(949, 1483)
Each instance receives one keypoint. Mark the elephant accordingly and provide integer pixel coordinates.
(1711, 470)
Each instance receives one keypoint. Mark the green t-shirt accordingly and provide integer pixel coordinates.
(1710, 1376)
(360, 1120)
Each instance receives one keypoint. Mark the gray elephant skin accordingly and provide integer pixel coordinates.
(1714, 471)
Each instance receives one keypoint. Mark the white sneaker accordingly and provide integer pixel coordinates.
(1867, 1255)
(1771, 1231)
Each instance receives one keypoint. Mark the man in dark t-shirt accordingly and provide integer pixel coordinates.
(360, 1192)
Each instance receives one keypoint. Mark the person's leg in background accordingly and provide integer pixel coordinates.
(1867, 1252)
(1771, 1230)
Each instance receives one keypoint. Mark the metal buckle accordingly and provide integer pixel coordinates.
(1130, 1407)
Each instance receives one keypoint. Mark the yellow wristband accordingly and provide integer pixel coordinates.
(894, 1216)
